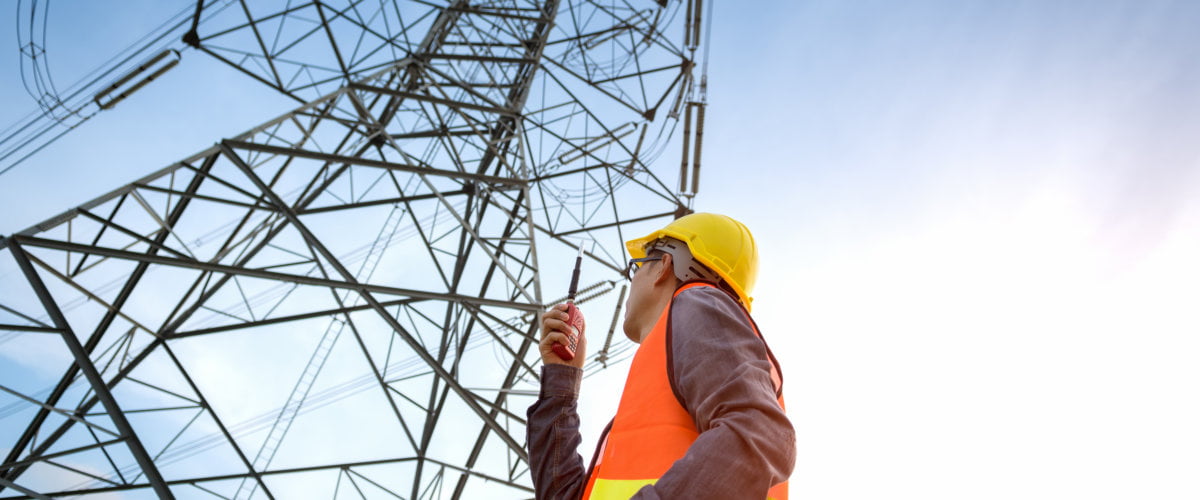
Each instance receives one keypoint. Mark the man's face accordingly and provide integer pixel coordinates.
(640, 289)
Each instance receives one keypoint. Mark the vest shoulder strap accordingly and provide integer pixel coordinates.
(776, 374)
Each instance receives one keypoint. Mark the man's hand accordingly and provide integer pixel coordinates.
(554, 326)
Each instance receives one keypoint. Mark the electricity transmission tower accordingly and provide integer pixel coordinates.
(342, 301)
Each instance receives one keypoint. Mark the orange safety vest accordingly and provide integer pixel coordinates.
(652, 429)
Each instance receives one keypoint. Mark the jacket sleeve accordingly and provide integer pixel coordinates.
(722, 374)
(552, 436)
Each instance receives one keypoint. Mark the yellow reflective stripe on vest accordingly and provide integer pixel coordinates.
(618, 489)
(622, 489)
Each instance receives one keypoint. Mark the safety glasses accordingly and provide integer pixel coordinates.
(635, 264)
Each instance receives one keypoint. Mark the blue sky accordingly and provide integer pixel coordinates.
(978, 224)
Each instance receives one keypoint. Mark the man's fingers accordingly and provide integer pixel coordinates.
(555, 319)
(553, 338)
(555, 325)
(555, 311)
(558, 312)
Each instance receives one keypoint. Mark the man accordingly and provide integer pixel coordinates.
(701, 415)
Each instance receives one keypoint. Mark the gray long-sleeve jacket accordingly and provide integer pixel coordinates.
(722, 371)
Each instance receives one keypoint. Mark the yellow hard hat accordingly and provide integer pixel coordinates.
(717, 241)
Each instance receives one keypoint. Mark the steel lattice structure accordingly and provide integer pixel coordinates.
(341, 301)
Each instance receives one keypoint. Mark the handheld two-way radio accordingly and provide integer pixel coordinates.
(574, 316)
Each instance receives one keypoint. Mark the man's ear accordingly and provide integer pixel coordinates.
(666, 270)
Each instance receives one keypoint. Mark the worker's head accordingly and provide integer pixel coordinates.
(700, 246)
(652, 282)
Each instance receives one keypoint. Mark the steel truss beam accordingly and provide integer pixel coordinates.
(93, 376)
(245, 271)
